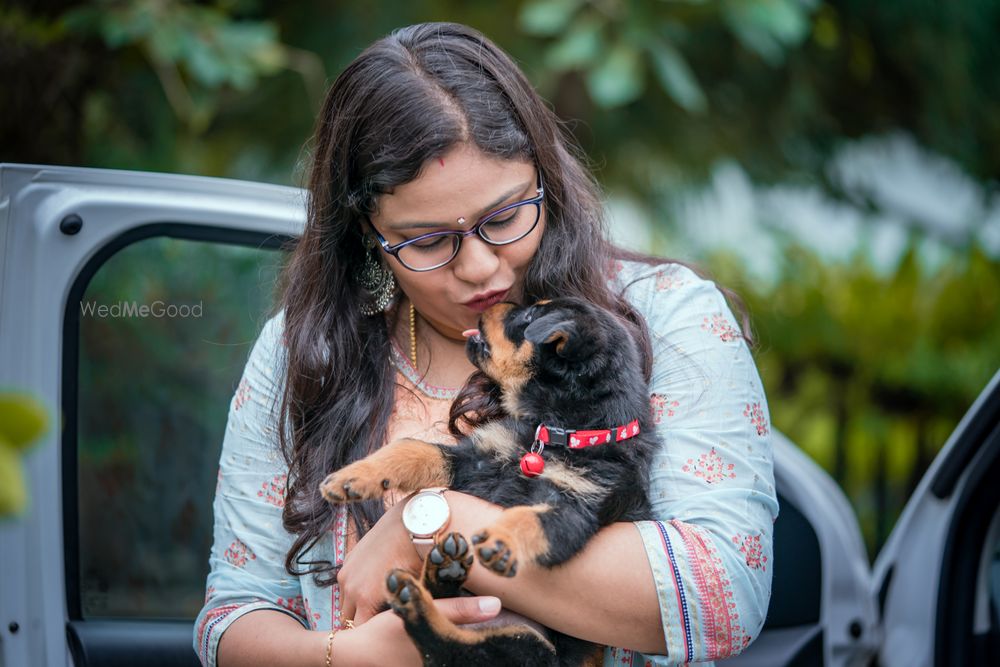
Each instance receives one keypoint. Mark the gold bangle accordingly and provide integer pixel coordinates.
(329, 648)
(348, 625)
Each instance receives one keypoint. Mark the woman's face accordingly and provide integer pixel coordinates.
(464, 183)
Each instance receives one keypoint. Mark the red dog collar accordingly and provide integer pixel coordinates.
(564, 437)
(532, 463)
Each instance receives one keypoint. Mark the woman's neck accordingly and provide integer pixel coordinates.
(441, 361)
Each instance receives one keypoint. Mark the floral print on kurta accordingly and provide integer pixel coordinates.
(709, 542)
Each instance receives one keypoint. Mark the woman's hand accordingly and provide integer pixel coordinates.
(382, 639)
(387, 545)
(362, 577)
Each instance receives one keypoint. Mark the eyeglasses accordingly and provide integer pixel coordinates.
(501, 227)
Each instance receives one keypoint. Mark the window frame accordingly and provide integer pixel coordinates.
(95, 641)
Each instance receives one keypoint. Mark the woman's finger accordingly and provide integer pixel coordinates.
(348, 611)
(363, 613)
(469, 609)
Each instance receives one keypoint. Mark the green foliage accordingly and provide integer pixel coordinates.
(870, 373)
(548, 17)
(22, 421)
(30, 29)
(768, 27)
(676, 76)
(611, 42)
(773, 84)
(618, 78)
(179, 38)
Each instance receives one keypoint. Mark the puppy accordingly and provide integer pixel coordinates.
(571, 455)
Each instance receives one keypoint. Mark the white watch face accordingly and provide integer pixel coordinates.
(425, 513)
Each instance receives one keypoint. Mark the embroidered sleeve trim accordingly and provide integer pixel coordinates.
(682, 605)
(216, 621)
(672, 593)
(723, 634)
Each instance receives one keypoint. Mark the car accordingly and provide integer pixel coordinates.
(128, 304)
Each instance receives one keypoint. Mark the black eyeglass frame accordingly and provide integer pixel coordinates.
(393, 250)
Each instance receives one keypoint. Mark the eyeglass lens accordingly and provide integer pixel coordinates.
(506, 227)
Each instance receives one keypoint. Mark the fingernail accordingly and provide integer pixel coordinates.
(489, 605)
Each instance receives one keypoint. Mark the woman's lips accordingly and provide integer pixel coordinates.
(479, 304)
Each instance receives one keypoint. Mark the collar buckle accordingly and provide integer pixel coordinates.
(559, 437)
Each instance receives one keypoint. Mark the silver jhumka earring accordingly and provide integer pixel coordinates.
(377, 279)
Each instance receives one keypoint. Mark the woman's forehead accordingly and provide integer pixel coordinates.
(463, 183)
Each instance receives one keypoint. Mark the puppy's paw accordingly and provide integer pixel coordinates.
(358, 481)
(497, 551)
(407, 596)
(450, 560)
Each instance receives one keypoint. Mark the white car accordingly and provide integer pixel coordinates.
(128, 302)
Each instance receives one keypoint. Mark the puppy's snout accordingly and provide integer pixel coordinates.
(476, 347)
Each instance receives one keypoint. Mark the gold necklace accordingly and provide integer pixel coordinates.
(413, 336)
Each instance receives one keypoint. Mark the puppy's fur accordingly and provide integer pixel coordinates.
(563, 363)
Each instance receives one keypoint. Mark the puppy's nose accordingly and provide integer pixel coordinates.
(476, 346)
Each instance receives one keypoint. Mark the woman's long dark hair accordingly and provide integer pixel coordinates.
(407, 99)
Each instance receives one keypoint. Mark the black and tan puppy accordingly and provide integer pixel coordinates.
(570, 377)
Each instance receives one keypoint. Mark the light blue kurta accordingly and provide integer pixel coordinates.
(712, 485)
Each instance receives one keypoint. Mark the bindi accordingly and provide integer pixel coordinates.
(441, 160)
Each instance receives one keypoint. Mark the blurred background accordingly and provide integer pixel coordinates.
(834, 162)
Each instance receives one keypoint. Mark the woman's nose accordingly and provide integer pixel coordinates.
(476, 261)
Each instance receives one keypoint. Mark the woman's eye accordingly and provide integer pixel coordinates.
(430, 244)
(502, 222)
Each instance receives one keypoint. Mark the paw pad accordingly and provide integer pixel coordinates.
(496, 555)
(451, 558)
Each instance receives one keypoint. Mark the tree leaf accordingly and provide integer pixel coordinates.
(617, 80)
(547, 17)
(22, 420)
(768, 26)
(13, 495)
(676, 77)
(579, 47)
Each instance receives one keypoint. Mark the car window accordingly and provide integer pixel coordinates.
(993, 588)
(166, 325)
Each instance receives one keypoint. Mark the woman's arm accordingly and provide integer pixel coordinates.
(709, 544)
(271, 638)
(247, 574)
(605, 594)
(267, 637)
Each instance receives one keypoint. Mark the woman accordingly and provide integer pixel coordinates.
(434, 129)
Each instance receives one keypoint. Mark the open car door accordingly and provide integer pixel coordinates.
(128, 307)
(933, 597)
(937, 580)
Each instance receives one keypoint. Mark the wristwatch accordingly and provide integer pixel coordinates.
(425, 516)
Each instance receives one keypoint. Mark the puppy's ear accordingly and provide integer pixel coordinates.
(554, 328)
